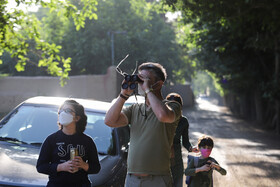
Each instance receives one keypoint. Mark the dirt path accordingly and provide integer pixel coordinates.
(251, 156)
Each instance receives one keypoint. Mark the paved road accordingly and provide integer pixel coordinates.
(250, 155)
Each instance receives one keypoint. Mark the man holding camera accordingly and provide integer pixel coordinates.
(153, 126)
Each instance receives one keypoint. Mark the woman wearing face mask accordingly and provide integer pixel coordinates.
(55, 160)
(201, 174)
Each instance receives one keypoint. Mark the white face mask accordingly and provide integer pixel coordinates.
(65, 118)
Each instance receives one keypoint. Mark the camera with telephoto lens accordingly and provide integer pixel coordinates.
(131, 81)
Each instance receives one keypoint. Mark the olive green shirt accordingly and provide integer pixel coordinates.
(204, 178)
(150, 140)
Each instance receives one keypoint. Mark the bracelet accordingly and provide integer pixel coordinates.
(149, 90)
(122, 96)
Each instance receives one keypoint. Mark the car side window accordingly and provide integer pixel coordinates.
(101, 134)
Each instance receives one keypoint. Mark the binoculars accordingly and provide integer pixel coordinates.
(131, 81)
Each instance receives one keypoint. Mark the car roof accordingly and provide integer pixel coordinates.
(57, 101)
(132, 99)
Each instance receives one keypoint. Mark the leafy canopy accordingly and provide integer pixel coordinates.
(137, 28)
(237, 40)
(18, 29)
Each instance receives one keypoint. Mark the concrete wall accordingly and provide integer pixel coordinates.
(14, 90)
(184, 90)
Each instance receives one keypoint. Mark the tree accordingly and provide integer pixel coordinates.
(145, 37)
(18, 29)
(238, 41)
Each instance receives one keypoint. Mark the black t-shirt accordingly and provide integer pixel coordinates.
(56, 150)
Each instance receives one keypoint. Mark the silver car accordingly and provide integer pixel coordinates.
(25, 128)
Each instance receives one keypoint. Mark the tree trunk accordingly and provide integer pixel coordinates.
(258, 107)
(277, 105)
(277, 117)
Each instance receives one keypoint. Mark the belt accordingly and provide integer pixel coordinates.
(140, 174)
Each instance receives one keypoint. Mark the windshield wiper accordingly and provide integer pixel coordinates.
(13, 140)
(36, 144)
(102, 153)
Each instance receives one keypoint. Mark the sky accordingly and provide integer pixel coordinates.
(172, 16)
(12, 4)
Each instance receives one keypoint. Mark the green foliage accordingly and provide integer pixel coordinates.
(206, 83)
(201, 83)
(53, 24)
(59, 33)
(217, 85)
(139, 29)
(237, 44)
(18, 29)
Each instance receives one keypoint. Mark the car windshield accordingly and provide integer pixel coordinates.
(33, 123)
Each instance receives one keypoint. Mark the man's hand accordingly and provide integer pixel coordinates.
(146, 84)
(194, 149)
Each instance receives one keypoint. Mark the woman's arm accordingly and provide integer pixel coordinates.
(44, 164)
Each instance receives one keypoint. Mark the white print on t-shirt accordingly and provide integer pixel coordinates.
(63, 151)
